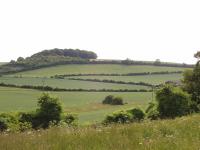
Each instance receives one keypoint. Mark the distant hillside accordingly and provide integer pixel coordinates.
(48, 58)
(53, 57)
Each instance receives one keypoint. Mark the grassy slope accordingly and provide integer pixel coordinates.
(180, 134)
(152, 79)
(68, 84)
(70, 69)
(88, 104)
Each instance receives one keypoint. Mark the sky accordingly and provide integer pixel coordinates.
(168, 30)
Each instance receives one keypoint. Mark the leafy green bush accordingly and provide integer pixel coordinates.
(118, 117)
(172, 102)
(50, 110)
(8, 121)
(71, 119)
(137, 114)
(3, 124)
(152, 112)
(113, 100)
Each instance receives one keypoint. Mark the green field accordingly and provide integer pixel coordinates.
(152, 79)
(98, 68)
(86, 104)
(68, 84)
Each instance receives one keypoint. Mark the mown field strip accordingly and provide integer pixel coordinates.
(95, 69)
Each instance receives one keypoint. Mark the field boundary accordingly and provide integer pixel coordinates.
(48, 88)
(115, 82)
(117, 74)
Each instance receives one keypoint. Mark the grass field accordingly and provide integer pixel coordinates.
(152, 79)
(179, 134)
(86, 104)
(98, 68)
(68, 84)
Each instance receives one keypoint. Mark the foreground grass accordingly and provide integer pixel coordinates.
(180, 134)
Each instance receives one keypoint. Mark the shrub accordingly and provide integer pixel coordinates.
(113, 100)
(108, 99)
(117, 101)
(152, 112)
(3, 124)
(50, 110)
(137, 114)
(26, 117)
(172, 102)
(71, 119)
(118, 117)
(8, 121)
(23, 126)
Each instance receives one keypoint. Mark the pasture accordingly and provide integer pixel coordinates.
(86, 104)
(95, 69)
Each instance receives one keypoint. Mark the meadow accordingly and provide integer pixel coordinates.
(86, 104)
(179, 134)
(94, 69)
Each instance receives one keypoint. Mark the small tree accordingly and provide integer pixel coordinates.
(50, 110)
(172, 102)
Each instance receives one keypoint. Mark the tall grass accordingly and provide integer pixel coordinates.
(180, 134)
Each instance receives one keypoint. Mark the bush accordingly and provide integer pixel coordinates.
(118, 117)
(8, 121)
(152, 112)
(113, 100)
(3, 124)
(137, 114)
(172, 102)
(108, 99)
(71, 119)
(50, 110)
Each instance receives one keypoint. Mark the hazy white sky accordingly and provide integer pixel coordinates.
(136, 29)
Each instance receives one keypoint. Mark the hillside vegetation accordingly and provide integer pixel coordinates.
(48, 58)
(179, 134)
(86, 104)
